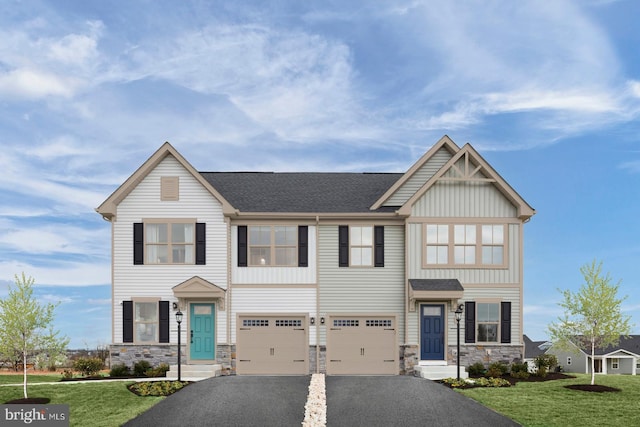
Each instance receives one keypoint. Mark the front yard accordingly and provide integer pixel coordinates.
(551, 404)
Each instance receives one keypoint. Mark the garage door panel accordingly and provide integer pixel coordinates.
(272, 345)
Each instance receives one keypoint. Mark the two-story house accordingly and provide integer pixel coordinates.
(343, 273)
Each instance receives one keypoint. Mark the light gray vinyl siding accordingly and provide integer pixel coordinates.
(463, 199)
(418, 179)
(274, 300)
(578, 359)
(156, 281)
(511, 294)
(273, 275)
(362, 289)
(465, 275)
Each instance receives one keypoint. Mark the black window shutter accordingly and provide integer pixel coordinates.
(505, 322)
(378, 235)
(303, 246)
(138, 243)
(343, 246)
(201, 243)
(163, 317)
(127, 321)
(469, 321)
(242, 246)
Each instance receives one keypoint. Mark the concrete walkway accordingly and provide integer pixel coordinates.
(351, 401)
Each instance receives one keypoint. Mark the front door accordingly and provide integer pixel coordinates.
(432, 332)
(597, 363)
(202, 335)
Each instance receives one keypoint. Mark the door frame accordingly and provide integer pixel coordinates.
(445, 316)
(187, 330)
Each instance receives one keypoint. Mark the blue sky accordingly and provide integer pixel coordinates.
(547, 92)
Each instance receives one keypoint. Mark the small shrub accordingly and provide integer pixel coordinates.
(158, 371)
(545, 363)
(491, 382)
(141, 367)
(497, 370)
(120, 370)
(157, 388)
(520, 370)
(67, 374)
(454, 382)
(88, 366)
(477, 369)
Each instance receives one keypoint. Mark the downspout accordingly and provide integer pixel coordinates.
(227, 220)
(317, 296)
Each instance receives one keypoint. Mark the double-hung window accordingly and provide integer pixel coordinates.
(488, 321)
(273, 245)
(463, 245)
(169, 243)
(146, 322)
(493, 244)
(437, 244)
(615, 363)
(361, 246)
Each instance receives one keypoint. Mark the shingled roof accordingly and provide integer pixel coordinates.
(302, 192)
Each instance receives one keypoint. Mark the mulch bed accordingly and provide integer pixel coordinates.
(513, 381)
(30, 401)
(596, 388)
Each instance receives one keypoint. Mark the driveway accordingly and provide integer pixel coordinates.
(351, 401)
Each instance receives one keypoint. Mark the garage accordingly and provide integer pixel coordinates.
(272, 344)
(362, 345)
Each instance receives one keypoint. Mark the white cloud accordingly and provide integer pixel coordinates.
(29, 83)
(60, 239)
(63, 274)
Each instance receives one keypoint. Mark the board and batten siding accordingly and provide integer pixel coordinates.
(465, 275)
(418, 179)
(502, 294)
(463, 199)
(274, 275)
(156, 281)
(273, 300)
(362, 289)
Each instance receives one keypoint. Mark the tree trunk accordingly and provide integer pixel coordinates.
(24, 370)
(593, 362)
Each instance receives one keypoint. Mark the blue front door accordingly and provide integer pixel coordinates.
(202, 335)
(432, 332)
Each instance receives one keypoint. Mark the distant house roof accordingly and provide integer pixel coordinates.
(533, 349)
(435, 285)
(631, 344)
(302, 192)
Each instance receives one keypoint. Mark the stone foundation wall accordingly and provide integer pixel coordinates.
(156, 354)
(226, 356)
(409, 358)
(322, 367)
(485, 354)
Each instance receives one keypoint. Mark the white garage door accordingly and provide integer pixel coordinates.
(362, 345)
(268, 344)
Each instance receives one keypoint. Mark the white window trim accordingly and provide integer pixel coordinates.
(169, 222)
(155, 301)
(568, 360)
(272, 245)
(615, 363)
(372, 246)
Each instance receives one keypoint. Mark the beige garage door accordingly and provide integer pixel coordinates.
(362, 345)
(269, 344)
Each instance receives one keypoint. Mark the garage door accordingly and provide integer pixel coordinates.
(362, 345)
(269, 344)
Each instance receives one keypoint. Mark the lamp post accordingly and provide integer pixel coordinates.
(458, 313)
(179, 320)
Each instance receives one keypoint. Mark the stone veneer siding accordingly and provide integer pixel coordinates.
(155, 354)
(485, 354)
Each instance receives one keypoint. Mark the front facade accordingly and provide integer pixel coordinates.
(342, 273)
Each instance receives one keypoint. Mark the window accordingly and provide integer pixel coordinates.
(273, 245)
(146, 322)
(568, 360)
(361, 246)
(615, 363)
(488, 321)
(169, 243)
(460, 245)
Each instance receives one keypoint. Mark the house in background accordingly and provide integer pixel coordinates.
(623, 358)
(533, 349)
(293, 273)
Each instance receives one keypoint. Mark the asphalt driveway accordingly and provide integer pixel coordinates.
(351, 401)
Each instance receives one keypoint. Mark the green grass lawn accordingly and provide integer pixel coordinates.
(550, 404)
(98, 404)
(18, 378)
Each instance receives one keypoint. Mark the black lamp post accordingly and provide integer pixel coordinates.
(458, 313)
(179, 320)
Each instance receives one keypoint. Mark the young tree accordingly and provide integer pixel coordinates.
(592, 316)
(25, 324)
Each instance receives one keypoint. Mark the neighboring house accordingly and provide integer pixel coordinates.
(623, 358)
(533, 349)
(343, 273)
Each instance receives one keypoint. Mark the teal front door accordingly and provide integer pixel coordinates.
(202, 334)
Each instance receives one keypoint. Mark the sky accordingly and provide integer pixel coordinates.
(547, 92)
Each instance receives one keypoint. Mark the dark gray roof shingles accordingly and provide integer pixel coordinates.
(302, 192)
(436, 285)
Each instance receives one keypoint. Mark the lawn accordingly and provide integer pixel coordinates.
(95, 404)
(18, 378)
(550, 404)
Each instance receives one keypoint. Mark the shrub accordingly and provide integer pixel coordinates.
(545, 362)
(497, 370)
(492, 382)
(158, 371)
(454, 382)
(520, 370)
(88, 366)
(157, 388)
(67, 374)
(120, 370)
(477, 369)
(141, 367)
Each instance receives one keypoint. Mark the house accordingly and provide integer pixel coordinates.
(343, 273)
(623, 358)
(533, 349)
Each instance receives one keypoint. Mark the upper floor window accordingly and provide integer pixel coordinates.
(361, 245)
(273, 245)
(459, 245)
(169, 243)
